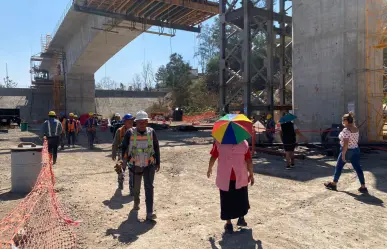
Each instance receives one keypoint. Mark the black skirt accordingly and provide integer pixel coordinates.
(289, 147)
(234, 203)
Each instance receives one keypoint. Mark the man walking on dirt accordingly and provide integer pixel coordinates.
(52, 129)
(141, 146)
(116, 151)
(91, 126)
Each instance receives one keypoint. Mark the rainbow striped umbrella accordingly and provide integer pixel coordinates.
(232, 129)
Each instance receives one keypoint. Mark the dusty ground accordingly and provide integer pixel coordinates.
(289, 209)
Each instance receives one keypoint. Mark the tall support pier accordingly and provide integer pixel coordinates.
(337, 66)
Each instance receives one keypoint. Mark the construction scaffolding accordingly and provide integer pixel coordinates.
(249, 73)
(376, 43)
(47, 71)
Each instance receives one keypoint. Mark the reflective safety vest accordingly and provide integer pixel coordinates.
(49, 128)
(78, 125)
(91, 124)
(141, 151)
(63, 124)
(122, 131)
(71, 126)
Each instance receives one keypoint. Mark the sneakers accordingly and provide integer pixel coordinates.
(330, 186)
(242, 222)
(228, 228)
(363, 190)
(288, 167)
(151, 217)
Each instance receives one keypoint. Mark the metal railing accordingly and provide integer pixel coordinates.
(62, 17)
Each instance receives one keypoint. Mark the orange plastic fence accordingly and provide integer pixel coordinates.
(200, 117)
(39, 220)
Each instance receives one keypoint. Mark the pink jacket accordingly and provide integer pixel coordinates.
(232, 157)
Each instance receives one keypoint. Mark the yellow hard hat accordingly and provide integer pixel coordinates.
(91, 114)
(51, 113)
(75, 116)
(71, 114)
(269, 116)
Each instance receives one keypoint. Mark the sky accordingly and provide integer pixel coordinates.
(22, 28)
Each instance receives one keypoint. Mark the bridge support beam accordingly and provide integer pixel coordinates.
(80, 93)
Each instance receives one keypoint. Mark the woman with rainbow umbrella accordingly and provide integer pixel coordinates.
(235, 167)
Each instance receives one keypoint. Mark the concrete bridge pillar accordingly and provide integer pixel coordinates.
(80, 93)
(330, 48)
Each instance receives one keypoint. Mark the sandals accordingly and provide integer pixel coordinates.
(330, 186)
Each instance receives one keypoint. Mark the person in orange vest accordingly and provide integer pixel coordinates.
(78, 128)
(116, 151)
(63, 120)
(91, 126)
(71, 128)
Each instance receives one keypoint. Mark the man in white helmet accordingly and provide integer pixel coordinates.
(141, 147)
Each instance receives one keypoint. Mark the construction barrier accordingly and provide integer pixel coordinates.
(200, 117)
(39, 220)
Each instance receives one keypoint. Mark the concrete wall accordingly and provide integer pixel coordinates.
(329, 63)
(34, 104)
(80, 93)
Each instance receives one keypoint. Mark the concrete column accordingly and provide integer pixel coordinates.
(329, 64)
(80, 93)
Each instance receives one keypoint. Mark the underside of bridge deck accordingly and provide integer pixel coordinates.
(175, 14)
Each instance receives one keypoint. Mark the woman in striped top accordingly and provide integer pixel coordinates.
(350, 152)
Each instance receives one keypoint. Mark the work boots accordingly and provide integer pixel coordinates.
(136, 206)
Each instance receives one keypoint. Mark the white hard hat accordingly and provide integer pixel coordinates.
(117, 115)
(141, 115)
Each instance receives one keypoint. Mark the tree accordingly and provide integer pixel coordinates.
(147, 75)
(161, 77)
(8, 83)
(122, 86)
(106, 83)
(136, 83)
(208, 44)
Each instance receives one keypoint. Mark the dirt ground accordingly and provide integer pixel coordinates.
(289, 209)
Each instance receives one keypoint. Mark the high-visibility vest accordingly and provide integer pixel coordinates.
(141, 149)
(78, 125)
(49, 128)
(71, 126)
(122, 131)
(63, 124)
(91, 124)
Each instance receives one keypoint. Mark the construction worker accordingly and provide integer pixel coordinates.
(141, 146)
(91, 126)
(116, 147)
(270, 128)
(78, 129)
(71, 128)
(51, 130)
(62, 119)
(115, 123)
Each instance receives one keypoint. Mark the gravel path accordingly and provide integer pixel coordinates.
(289, 209)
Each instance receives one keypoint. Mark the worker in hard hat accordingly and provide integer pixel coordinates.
(78, 129)
(141, 146)
(91, 128)
(115, 123)
(71, 128)
(116, 151)
(270, 128)
(63, 120)
(51, 130)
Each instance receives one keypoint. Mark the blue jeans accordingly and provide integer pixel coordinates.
(353, 156)
(91, 136)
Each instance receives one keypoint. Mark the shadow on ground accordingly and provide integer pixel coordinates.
(309, 169)
(129, 230)
(117, 201)
(366, 198)
(9, 196)
(242, 239)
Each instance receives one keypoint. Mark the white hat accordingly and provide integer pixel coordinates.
(141, 115)
(117, 115)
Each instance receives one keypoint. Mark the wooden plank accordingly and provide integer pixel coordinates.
(214, 9)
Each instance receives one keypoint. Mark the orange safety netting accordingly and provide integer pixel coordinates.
(39, 220)
(201, 117)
